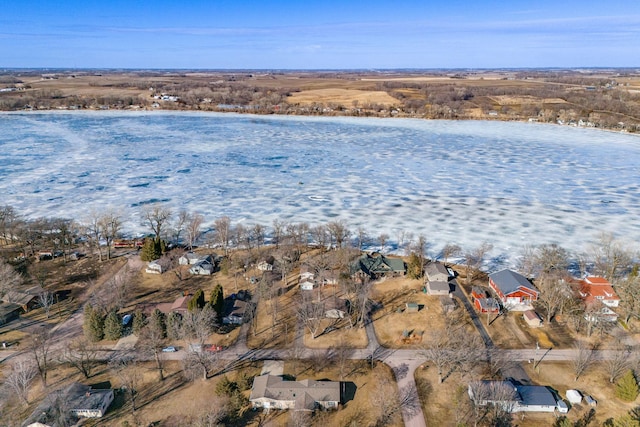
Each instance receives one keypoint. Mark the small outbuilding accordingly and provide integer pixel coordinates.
(574, 397)
(412, 307)
(154, 268)
(532, 318)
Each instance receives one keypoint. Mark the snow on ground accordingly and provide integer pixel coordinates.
(461, 182)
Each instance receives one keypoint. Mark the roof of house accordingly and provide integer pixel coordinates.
(596, 288)
(377, 264)
(234, 307)
(304, 393)
(434, 268)
(531, 315)
(478, 292)
(510, 281)
(488, 304)
(535, 395)
(439, 286)
(23, 296)
(8, 308)
(78, 397)
(528, 395)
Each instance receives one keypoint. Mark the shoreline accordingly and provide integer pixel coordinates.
(150, 112)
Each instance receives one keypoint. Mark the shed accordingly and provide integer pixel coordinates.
(154, 268)
(590, 401)
(532, 319)
(448, 304)
(412, 307)
(574, 397)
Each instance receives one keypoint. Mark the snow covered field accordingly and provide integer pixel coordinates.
(457, 182)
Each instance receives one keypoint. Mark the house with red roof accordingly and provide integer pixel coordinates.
(596, 291)
(514, 290)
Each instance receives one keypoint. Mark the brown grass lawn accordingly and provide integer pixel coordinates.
(263, 334)
(345, 97)
(393, 318)
(360, 411)
(354, 337)
(594, 382)
(448, 403)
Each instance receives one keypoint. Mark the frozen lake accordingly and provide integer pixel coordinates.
(455, 181)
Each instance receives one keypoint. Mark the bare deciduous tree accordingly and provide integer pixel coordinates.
(194, 229)
(110, 224)
(339, 232)
(628, 290)
(311, 314)
(151, 342)
(93, 230)
(181, 222)
(610, 256)
(46, 301)
(474, 259)
(9, 278)
(554, 293)
(493, 401)
(222, 232)
(19, 378)
(81, 355)
(156, 216)
(450, 250)
(620, 361)
(582, 359)
(382, 239)
(126, 367)
(40, 348)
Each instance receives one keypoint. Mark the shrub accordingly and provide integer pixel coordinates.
(627, 387)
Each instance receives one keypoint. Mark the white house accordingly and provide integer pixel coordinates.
(307, 285)
(203, 268)
(265, 266)
(154, 268)
(189, 258)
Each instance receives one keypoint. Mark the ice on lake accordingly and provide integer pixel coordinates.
(454, 181)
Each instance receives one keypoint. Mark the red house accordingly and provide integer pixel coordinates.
(483, 303)
(513, 289)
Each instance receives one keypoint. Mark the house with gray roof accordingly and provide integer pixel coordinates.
(437, 278)
(515, 397)
(272, 392)
(514, 290)
(80, 401)
(376, 266)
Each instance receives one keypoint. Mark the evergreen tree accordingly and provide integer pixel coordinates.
(152, 249)
(112, 326)
(138, 322)
(217, 301)
(627, 387)
(174, 325)
(197, 301)
(159, 320)
(93, 325)
(414, 266)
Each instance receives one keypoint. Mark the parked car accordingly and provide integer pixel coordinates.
(169, 349)
(126, 319)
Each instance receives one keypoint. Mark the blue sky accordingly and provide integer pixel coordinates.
(328, 34)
